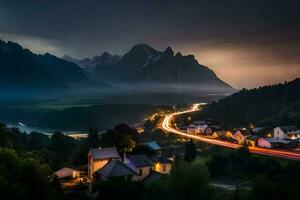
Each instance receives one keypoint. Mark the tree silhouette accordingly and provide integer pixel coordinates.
(190, 151)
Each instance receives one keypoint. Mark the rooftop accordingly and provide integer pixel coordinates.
(104, 153)
(273, 140)
(288, 128)
(257, 129)
(199, 122)
(252, 137)
(140, 160)
(243, 132)
(161, 159)
(153, 145)
(151, 178)
(64, 172)
(115, 168)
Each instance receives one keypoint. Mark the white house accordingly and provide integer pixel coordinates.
(66, 173)
(192, 129)
(287, 132)
(199, 128)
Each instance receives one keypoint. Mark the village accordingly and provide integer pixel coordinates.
(283, 137)
(107, 164)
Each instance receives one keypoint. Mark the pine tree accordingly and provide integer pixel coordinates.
(190, 151)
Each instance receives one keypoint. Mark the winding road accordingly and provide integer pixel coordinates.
(166, 125)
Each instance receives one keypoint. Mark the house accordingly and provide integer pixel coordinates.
(202, 127)
(193, 129)
(99, 157)
(155, 147)
(287, 132)
(66, 173)
(251, 140)
(273, 143)
(240, 135)
(199, 129)
(141, 164)
(114, 170)
(163, 165)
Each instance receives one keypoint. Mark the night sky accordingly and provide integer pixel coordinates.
(248, 43)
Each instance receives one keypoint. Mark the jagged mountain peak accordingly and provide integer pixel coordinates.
(12, 47)
(169, 51)
(138, 55)
(144, 64)
(49, 55)
(144, 47)
(69, 58)
(106, 54)
(102, 58)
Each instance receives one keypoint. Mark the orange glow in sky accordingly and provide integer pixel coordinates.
(249, 67)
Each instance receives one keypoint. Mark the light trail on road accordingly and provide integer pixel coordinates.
(166, 125)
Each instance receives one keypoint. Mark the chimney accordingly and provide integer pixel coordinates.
(124, 157)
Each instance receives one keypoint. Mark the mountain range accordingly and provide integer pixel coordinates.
(144, 65)
(89, 64)
(141, 66)
(22, 69)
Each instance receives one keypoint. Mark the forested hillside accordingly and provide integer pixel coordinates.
(266, 106)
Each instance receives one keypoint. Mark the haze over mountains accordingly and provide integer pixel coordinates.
(89, 64)
(141, 67)
(144, 66)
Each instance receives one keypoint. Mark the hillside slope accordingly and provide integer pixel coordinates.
(266, 106)
(22, 69)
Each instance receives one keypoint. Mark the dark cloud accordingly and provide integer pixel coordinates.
(265, 31)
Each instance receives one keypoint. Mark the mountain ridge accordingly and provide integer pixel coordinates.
(141, 67)
(20, 68)
(143, 64)
(89, 64)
